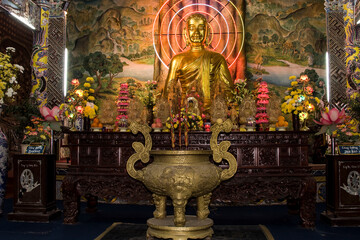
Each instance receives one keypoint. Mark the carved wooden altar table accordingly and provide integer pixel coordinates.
(271, 166)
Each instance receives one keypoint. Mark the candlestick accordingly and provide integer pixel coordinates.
(172, 127)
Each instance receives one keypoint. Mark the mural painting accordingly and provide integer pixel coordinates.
(112, 41)
(284, 38)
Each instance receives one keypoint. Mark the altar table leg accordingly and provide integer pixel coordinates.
(71, 200)
(308, 202)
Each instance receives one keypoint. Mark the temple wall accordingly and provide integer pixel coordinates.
(269, 39)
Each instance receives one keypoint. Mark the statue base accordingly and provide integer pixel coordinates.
(194, 228)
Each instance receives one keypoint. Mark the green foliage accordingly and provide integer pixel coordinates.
(96, 62)
(240, 91)
(22, 112)
(77, 73)
(115, 64)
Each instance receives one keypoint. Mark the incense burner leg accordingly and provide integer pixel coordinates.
(160, 204)
(179, 211)
(203, 206)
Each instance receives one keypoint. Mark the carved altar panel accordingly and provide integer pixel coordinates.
(267, 156)
(109, 156)
(271, 165)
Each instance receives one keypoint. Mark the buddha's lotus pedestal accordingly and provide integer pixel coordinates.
(180, 175)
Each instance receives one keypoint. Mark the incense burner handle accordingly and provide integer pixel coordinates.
(141, 151)
(220, 151)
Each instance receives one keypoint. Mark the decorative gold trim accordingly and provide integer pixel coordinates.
(141, 151)
(266, 232)
(107, 230)
(220, 151)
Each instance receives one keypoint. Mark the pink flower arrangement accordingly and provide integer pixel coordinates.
(330, 120)
(304, 79)
(122, 103)
(50, 114)
(261, 115)
(332, 117)
(75, 82)
(308, 90)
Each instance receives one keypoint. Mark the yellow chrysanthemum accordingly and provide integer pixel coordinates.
(90, 79)
(294, 83)
(87, 85)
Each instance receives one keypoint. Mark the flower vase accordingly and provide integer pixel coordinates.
(296, 122)
(79, 121)
(150, 116)
(333, 144)
(3, 167)
(87, 124)
(303, 126)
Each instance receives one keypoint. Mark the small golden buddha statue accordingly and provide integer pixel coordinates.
(193, 106)
(199, 68)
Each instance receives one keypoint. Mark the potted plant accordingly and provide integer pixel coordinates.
(38, 133)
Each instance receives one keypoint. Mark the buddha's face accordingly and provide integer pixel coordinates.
(197, 30)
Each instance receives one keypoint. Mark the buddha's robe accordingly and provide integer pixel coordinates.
(207, 72)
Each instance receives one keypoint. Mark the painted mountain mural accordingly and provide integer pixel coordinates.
(111, 27)
(284, 38)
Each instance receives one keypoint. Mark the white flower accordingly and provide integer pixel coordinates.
(21, 68)
(13, 80)
(90, 104)
(10, 92)
(1, 101)
(10, 49)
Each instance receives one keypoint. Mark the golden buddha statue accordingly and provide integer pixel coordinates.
(199, 68)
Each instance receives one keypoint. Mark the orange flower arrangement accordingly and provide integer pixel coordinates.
(39, 132)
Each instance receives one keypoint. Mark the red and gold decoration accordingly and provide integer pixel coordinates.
(261, 116)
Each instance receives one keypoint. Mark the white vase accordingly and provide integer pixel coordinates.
(79, 122)
(3, 167)
(23, 147)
